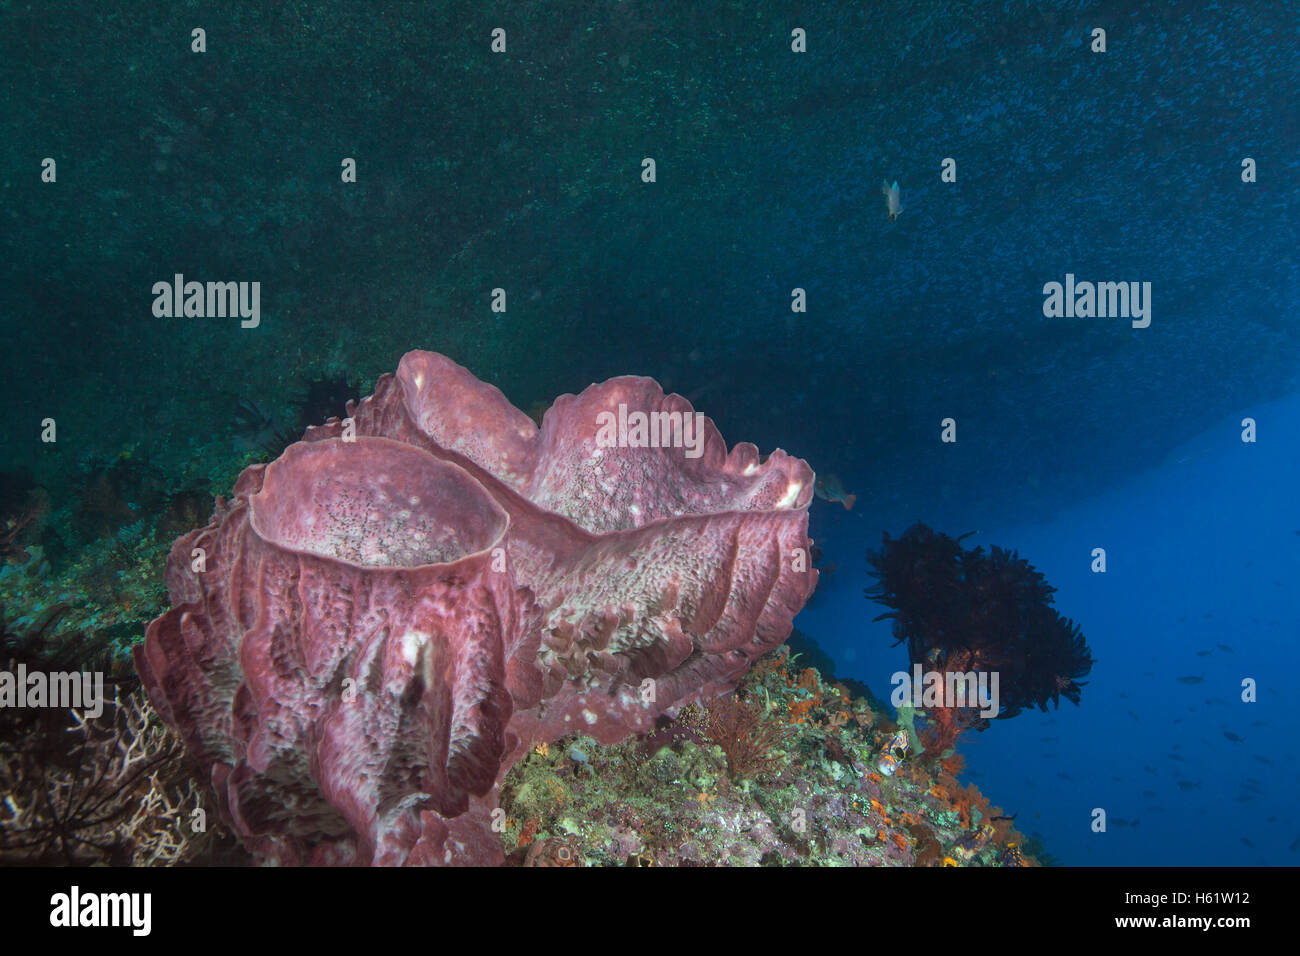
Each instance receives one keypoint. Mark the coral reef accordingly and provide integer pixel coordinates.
(23, 508)
(115, 790)
(385, 619)
(751, 744)
(95, 785)
(673, 799)
(88, 550)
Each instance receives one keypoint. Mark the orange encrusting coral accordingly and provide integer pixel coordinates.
(529, 832)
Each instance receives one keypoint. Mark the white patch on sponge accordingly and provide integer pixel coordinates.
(791, 495)
(412, 641)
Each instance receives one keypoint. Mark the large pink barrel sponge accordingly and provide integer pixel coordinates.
(338, 646)
(379, 623)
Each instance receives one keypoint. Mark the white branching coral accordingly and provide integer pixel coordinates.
(113, 789)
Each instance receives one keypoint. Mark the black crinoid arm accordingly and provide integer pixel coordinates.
(1057, 657)
(921, 579)
(989, 610)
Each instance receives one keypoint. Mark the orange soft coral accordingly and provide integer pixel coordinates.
(800, 709)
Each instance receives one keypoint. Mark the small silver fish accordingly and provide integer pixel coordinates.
(893, 199)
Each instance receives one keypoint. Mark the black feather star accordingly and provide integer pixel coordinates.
(992, 609)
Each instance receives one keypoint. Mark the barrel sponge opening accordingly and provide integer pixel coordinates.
(374, 503)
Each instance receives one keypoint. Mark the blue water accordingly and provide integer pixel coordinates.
(1202, 551)
(523, 171)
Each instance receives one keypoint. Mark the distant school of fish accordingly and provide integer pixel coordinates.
(829, 488)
